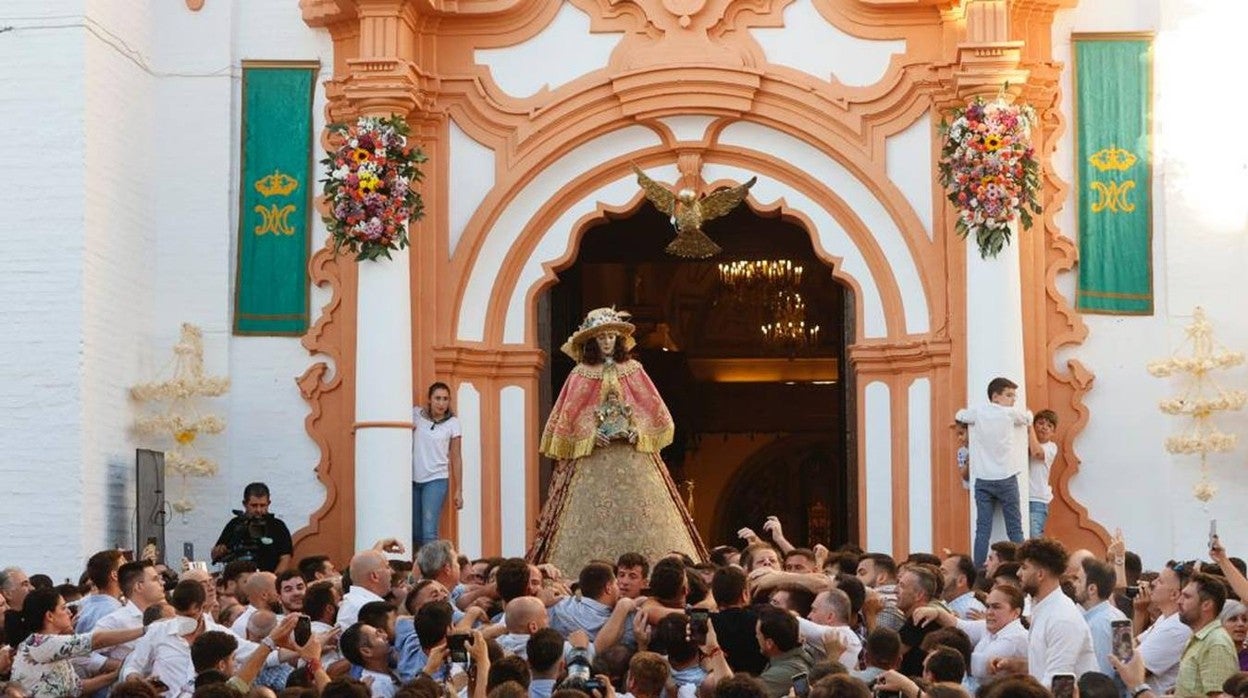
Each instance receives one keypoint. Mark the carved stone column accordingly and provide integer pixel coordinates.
(989, 67)
(381, 83)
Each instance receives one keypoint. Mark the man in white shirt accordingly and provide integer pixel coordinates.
(959, 573)
(370, 581)
(165, 650)
(1094, 589)
(1059, 640)
(998, 454)
(261, 591)
(829, 615)
(1162, 644)
(142, 586)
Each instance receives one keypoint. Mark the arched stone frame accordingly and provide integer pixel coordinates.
(379, 60)
(546, 241)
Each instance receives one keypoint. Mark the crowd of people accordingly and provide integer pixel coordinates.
(764, 621)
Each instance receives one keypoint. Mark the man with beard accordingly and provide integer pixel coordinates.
(255, 534)
(291, 590)
(1210, 658)
(1059, 641)
(261, 590)
(1094, 584)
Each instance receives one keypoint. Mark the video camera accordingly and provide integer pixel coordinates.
(246, 536)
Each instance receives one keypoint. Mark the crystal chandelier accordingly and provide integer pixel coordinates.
(759, 279)
(769, 290)
(788, 328)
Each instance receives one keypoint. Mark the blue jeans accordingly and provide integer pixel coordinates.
(427, 501)
(989, 493)
(1038, 513)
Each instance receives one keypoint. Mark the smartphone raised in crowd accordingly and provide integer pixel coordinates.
(801, 685)
(698, 620)
(303, 630)
(1063, 686)
(1122, 644)
(457, 643)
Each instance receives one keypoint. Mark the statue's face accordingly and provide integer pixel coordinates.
(606, 343)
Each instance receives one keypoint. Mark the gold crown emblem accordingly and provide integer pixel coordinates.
(277, 184)
(1112, 158)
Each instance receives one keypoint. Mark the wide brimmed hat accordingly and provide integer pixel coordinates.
(598, 321)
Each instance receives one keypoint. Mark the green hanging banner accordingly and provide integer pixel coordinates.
(1113, 167)
(275, 197)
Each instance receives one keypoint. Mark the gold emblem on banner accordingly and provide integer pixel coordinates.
(1113, 196)
(274, 219)
(277, 184)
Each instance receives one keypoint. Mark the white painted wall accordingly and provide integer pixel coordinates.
(41, 277)
(125, 230)
(1199, 253)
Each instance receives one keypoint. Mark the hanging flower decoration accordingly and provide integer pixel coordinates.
(179, 419)
(1202, 399)
(989, 171)
(368, 186)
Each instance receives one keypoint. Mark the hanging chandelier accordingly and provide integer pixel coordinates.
(768, 289)
(788, 329)
(759, 279)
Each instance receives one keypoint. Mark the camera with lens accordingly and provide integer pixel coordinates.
(247, 534)
(580, 676)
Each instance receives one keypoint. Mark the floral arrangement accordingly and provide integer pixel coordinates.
(368, 186)
(1201, 400)
(180, 421)
(989, 171)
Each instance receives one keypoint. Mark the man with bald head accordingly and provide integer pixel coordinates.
(370, 581)
(525, 615)
(274, 674)
(261, 591)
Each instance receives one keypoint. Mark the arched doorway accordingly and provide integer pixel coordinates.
(738, 398)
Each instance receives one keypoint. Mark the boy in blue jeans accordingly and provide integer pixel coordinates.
(1042, 450)
(994, 429)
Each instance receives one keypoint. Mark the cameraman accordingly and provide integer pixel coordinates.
(255, 534)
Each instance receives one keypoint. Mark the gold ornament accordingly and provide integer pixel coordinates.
(1201, 400)
(688, 213)
(180, 421)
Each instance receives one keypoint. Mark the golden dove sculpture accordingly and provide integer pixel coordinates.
(688, 212)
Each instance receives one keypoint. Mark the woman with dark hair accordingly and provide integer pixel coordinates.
(436, 465)
(610, 493)
(46, 644)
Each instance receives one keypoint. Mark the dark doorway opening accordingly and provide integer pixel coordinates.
(764, 426)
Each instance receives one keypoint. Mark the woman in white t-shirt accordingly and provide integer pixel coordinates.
(435, 463)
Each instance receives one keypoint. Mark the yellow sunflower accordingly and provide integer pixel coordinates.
(992, 142)
(359, 155)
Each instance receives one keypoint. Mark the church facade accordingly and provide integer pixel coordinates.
(532, 115)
